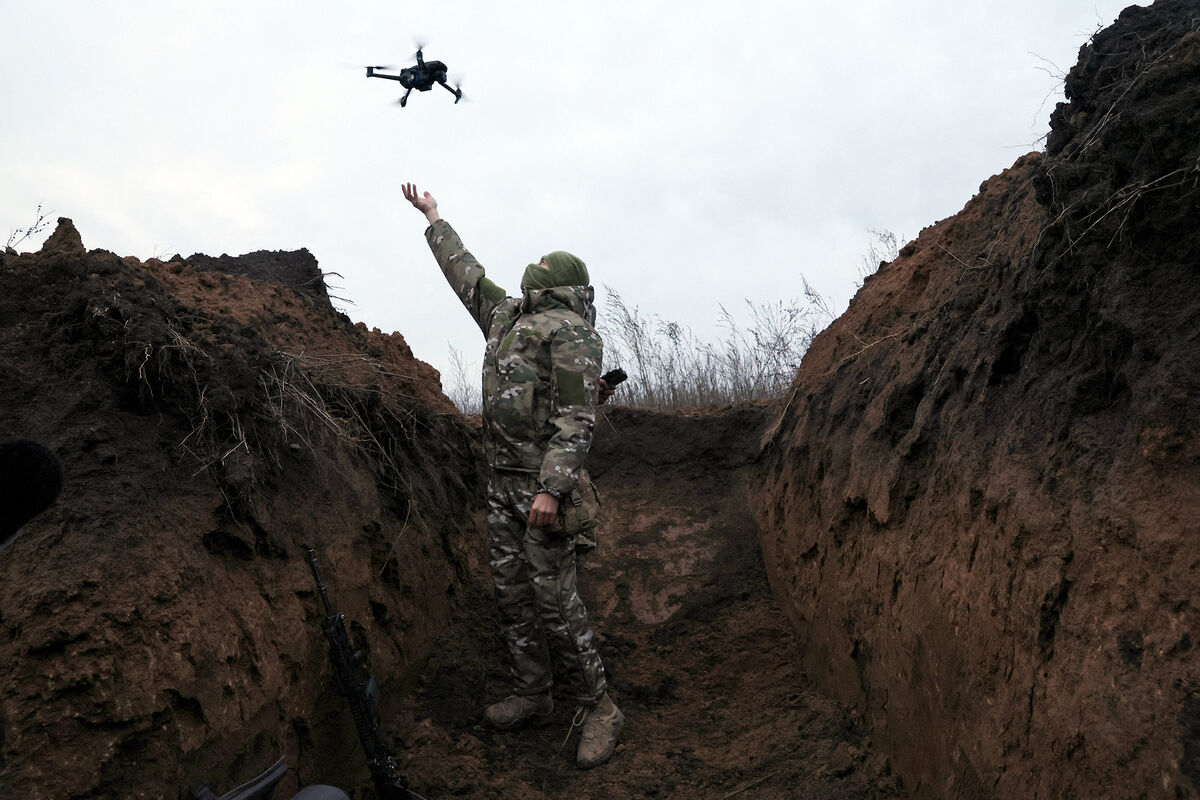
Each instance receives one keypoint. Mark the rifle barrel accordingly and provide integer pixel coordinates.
(312, 562)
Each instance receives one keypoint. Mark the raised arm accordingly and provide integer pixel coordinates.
(464, 274)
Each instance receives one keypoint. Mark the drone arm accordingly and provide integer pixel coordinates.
(456, 92)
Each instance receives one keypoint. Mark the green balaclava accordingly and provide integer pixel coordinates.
(562, 269)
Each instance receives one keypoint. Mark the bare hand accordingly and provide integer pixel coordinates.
(544, 510)
(422, 202)
(606, 392)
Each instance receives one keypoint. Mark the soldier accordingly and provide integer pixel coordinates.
(541, 384)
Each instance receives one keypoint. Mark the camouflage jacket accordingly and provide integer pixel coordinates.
(541, 368)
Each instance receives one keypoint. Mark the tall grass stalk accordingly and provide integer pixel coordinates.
(670, 367)
(464, 388)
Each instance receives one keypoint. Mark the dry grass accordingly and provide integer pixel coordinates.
(670, 367)
(301, 403)
(20, 235)
(464, 387)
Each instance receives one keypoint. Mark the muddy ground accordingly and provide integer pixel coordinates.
(700, 657)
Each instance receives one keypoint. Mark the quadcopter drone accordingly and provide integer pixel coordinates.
(421, 77)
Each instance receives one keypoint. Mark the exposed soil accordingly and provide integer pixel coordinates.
(159, 624)
(699, 656)
(961, 560)
(983, 496)
(213, 417)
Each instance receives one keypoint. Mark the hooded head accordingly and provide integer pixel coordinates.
(560, 269)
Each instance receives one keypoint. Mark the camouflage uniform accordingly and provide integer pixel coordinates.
(541, 378)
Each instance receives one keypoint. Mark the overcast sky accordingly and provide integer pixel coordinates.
(691, 153)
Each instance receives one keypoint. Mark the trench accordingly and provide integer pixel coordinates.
(699, 654)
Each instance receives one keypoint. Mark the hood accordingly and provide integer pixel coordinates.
(572, 298)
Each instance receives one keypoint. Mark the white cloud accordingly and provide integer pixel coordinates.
(692, 154)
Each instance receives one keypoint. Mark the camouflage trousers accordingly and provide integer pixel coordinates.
(542, 618)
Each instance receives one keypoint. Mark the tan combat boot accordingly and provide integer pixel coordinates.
(600, 732)
(517, 710)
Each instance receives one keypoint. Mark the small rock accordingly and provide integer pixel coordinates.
(841, 763)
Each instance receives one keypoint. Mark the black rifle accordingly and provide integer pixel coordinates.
(362, 696)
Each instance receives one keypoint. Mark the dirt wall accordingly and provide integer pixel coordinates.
(698, 655)
(981, 499)
(159, 624)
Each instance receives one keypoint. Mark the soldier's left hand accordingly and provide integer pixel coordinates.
(606, 392)
(544, 510)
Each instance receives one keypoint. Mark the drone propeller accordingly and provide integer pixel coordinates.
(379, 66)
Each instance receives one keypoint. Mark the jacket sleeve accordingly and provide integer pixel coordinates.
(465, 275)
(576, 352)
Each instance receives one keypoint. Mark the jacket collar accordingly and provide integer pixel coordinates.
(579, 299)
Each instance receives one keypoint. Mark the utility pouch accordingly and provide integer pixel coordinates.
(578, 515)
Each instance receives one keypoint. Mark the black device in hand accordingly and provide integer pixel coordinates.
(613, 377)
